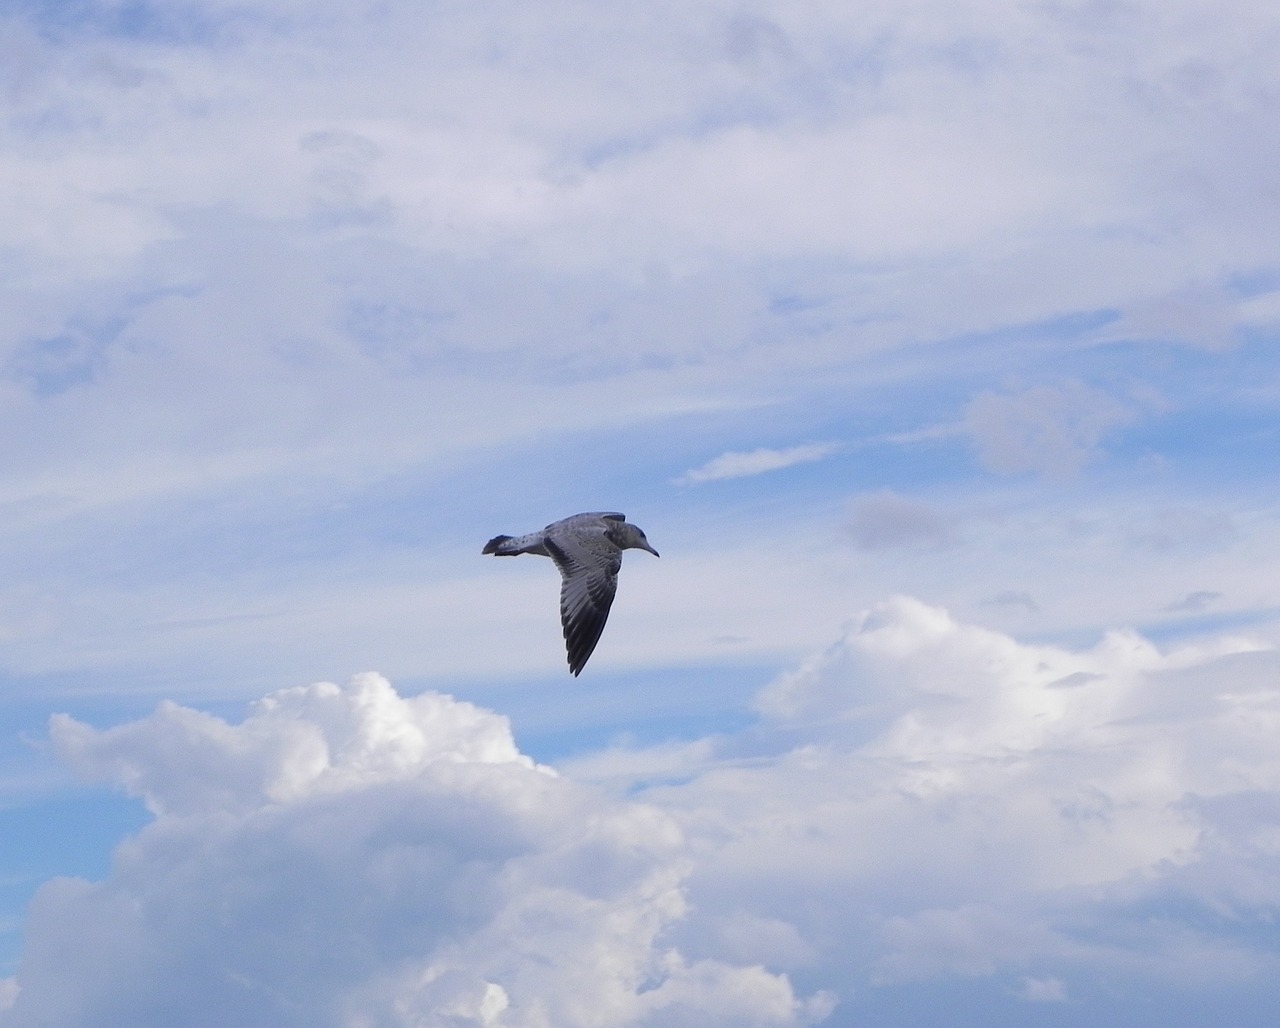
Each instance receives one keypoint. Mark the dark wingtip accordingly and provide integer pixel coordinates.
(492, 545)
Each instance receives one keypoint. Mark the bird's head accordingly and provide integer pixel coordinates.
(635, 540)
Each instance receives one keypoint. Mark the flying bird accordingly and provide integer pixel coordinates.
(587, 548)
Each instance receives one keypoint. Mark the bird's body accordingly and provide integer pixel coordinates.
(587, 548)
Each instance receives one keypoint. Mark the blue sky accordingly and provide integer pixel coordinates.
(933, 345)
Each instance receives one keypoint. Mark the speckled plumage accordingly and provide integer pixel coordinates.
(587, 548)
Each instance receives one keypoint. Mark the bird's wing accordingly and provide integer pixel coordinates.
(579, 522)
(589, 565)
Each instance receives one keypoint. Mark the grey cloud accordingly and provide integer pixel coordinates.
(1015, 598)
(759, 45)
(1051, 430)
(1183, 526)
(1199, 315)
(886, 520)
(1194, 602)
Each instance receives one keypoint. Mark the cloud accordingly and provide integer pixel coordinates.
(297, 297)
(924, 801)
(1184, 527)
(1052, 430)
(1044, 990)
(756, 462)
(884, 520)
(349, 856)
(1197, 315)
(1193, 602)
(1015, 598)
(210, 229)
(942, 809)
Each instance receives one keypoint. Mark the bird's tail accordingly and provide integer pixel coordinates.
(513, 545)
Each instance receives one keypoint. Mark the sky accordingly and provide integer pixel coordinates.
(933, 343)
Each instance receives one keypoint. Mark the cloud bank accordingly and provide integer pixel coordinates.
(924, 802)
(933, 809)
(349, 857)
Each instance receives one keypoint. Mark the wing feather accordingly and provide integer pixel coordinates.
(589, 566)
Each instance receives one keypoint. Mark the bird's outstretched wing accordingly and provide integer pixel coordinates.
(589, 564)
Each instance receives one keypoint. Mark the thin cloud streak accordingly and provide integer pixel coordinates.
(756, 462)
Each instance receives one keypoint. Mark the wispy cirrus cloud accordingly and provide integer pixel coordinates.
(746, 463)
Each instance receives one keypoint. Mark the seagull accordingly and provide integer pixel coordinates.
(587, 548)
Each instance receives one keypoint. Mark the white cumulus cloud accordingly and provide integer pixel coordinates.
(947, 803)
(925, 801)
(347, 856)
